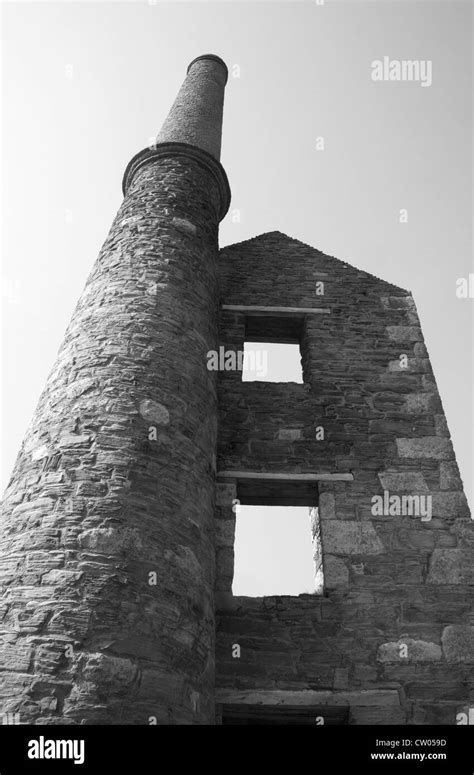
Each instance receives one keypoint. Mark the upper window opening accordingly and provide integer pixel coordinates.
(271, 362)
(272, 349)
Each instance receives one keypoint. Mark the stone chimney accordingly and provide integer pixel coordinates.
(196, 115)
(194, 124)
(107, 553)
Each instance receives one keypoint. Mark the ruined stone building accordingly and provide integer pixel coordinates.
(116, 542)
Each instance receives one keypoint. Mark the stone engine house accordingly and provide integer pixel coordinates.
(117, 534)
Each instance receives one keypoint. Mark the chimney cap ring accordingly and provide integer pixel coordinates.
(215, 58)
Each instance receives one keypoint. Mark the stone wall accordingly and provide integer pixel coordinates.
(397, 610)
(106, 542)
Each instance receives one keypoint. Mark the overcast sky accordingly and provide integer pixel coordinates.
(86, 85)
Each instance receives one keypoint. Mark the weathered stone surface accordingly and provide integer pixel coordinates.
(225, 532)
(225, 563)
(398, 302)
(336, 573)
(187, 562)
(450, 504)
(327, 506)
(16, 658)
(409, 650)
(451, 566)
(406, 481)
(72, 440)
(411, 365)
(346, 538)
(441, 425)
(107, 670)
(50, 656)
(158, 685)
(421, 403)
(434, 713)
(154, 412)
(450, 478)
(33, 508)
(111, 540)
(184, 226)
(40, 452)
(431, 447)
(225, 495)
(368, 716)
(79, 387)
(464, 530)
(458, 643)
(341, 678)
(289, 434)
(420, 350)
(404, 334)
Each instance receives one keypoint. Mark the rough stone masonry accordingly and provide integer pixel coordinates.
(116, 547)
(107, 550)
(391, 640)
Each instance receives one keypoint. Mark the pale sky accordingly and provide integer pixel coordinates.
(86, 85)
(265, 546)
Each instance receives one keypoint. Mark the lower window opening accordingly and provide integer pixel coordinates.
(277, 551)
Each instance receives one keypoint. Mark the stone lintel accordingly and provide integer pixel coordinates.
(366, 697)
(272, 311)
(285, 477)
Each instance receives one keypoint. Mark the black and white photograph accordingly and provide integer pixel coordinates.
(237, 380)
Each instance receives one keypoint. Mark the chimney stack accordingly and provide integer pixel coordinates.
(107, 552)
(194, 124)
(196, 115)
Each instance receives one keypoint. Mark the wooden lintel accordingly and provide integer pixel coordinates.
(286, 477)
(279, 697)
(273, 311)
